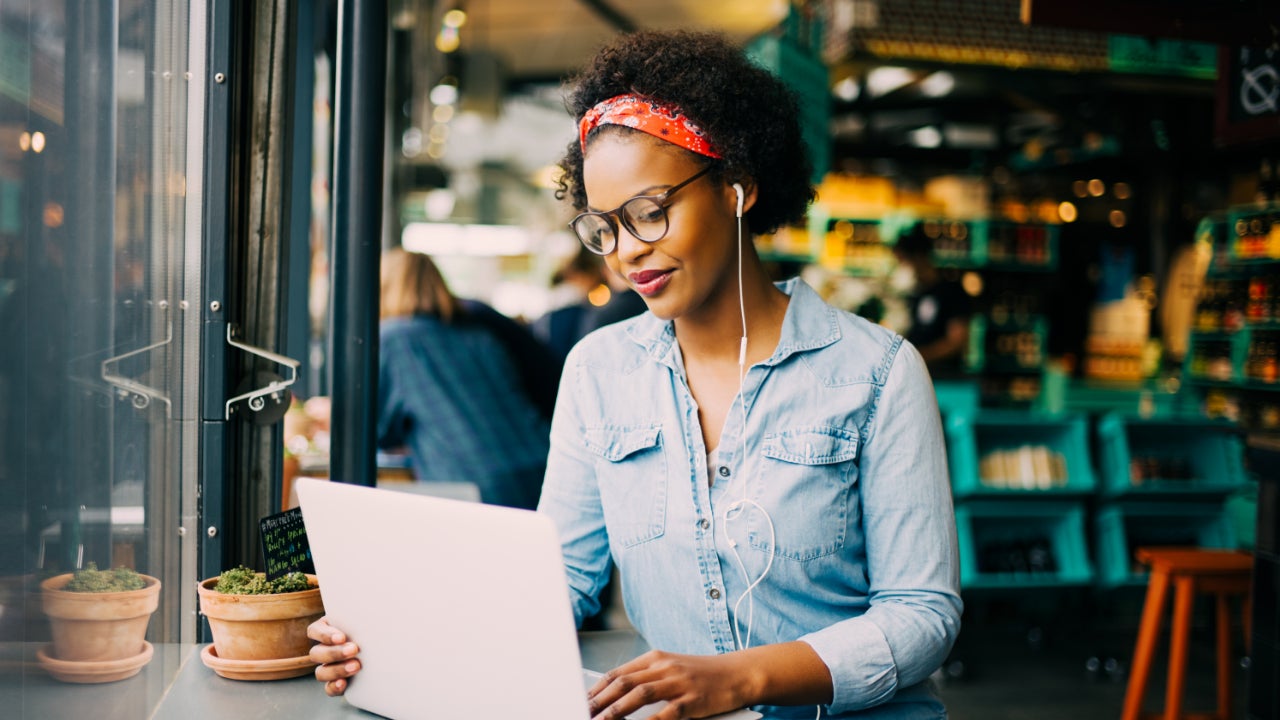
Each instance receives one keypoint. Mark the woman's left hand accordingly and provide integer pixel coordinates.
(693, 686)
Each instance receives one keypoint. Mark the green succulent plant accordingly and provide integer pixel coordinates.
(92, 580)
(243, 581)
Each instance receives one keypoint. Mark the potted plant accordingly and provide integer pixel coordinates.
(259, 626)
(98, 619)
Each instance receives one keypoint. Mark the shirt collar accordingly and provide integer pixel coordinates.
(810, 323)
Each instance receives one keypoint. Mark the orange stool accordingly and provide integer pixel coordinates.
(1221, 573)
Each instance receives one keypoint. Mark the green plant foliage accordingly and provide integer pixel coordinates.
(93, 580)
(243, 581)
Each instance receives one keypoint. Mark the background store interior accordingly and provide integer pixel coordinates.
(1054, 163)
(1116, 235)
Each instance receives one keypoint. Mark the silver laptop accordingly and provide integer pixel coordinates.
(460, 609)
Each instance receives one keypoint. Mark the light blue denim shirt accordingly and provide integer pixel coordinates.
(843, 454)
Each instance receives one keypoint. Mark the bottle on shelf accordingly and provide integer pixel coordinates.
(1233, 310)
(1269, 366)
(1259, 307)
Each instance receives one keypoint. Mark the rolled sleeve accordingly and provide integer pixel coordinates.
(571, 498)
(912, 561)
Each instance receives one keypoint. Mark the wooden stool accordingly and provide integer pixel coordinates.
(1222, 573)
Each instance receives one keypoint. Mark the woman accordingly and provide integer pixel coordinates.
(449, 390)
(767, 472)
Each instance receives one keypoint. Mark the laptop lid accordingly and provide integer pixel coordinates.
(459, 609)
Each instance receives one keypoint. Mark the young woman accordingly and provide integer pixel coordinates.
(766, 472)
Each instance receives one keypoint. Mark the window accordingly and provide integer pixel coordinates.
(100, 299)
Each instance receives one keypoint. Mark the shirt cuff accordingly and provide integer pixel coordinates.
(860, 661)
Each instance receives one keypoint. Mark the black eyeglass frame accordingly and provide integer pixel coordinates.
(613, 217)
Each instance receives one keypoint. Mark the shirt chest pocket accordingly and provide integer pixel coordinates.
(807, 484)
(631, 471)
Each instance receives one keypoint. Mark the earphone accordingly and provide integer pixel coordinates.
(736, 507)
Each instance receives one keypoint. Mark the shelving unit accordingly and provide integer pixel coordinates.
(862, 245)
(1022, 544)
(1234, 349)
(854, 245)
(1019, 454)
(1008, 344)
(1168, 481)
(1020, 481)
(1170, 469)
(997, 245)
(1169, 458)
(1125, 526)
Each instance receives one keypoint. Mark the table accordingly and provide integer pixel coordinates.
(176, 685)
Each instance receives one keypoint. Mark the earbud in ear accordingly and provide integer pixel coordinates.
(738, 188)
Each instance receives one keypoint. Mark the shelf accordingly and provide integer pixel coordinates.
(1122, 528)
(1217, 335)
(1033, 455)
(1017, 545)
(986, 335)
(1266, 241)
(1220, 236)
(1011, 367)
(992, 245)
(1252, 385)
(1251, 262)
(788, 257)
(957, 397)
(1205, 457)
(1149, 398)
(1019, 267)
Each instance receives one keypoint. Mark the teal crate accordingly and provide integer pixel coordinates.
(1016, 436)
(999, 542)
(1169, 457)
(956, 397)
(1122, 528)
(1242, 514)
(1153, 398)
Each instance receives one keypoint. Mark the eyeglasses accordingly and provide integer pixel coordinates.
(644, 216)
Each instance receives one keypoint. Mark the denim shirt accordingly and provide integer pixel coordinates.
(849, 503)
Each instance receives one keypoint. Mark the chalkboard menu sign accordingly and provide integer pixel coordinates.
(1248, 102)
(284, 544)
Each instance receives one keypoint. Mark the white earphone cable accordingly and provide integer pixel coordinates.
(735, 508)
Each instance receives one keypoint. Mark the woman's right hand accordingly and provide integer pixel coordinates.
(335, 655)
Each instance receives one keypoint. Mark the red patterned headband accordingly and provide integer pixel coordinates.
(664, 122)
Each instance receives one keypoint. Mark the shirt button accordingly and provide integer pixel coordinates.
(714, 593)
(704, 523)
(724, 471)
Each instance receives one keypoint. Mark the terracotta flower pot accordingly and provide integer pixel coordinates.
(260, 627)
(98, 627)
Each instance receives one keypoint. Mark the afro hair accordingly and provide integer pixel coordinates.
(748, 114)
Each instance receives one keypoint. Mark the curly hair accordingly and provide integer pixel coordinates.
(748, 114)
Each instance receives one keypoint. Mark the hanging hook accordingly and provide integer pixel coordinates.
(142, 394)
(255, 398)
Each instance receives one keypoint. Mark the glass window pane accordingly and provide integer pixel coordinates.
(99, 305)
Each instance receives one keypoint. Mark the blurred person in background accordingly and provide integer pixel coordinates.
(450, 390)
(939, 307)
(574, 286)
(585, 275)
